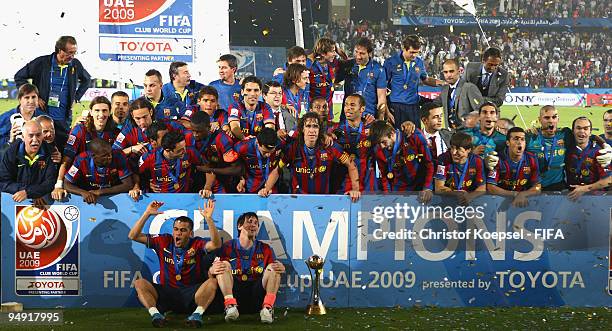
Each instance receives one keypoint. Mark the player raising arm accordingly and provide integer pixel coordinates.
(182, 284)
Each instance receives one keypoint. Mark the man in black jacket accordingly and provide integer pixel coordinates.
(26, 168)
(61, 81)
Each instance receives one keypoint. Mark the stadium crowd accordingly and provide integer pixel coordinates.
(508, 8)
(281, 136)
(535, 59)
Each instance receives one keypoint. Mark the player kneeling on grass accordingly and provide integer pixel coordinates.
(182, 287)
(516, 174)
(248, 270)
(460, 172)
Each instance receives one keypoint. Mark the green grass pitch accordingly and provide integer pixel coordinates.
(415, 318)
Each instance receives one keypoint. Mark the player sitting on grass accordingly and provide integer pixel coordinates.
(248, 270)
(182, 287)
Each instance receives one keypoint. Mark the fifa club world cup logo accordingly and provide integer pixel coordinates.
(40, 237)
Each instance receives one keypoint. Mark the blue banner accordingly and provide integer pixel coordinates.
(382, 251)
(504, 21)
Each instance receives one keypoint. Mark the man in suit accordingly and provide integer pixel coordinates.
(458, 98)
(490, 78)
(438, 138)
(285, 120)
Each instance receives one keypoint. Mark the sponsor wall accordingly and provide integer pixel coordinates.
(383, 251)
(119, 39)
(529, 99)
(502, 21)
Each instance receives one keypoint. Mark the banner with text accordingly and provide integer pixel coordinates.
(382, 251)
(120, 39)
(522, 22)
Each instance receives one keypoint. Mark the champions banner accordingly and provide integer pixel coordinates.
(382, 251)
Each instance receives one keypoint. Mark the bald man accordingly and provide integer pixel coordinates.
(26, 168)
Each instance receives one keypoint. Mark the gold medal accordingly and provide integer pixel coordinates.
(585, 172)
(244, 277)
(390, 175)
(177, 186)
(178, 277)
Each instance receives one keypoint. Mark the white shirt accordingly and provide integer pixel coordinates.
(484, 74)
(440, 145)
(281, 120)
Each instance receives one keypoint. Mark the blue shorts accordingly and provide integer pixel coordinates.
(403, 112)
(178, 300)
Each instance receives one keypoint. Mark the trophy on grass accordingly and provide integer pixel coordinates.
(316, 306)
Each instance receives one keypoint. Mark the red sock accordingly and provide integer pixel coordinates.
(230, 301)
(269, 300)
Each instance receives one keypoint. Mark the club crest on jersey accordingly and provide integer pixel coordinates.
(73, 171)
(323, 156)
(167, 112)
(441, 170)
(71, 140)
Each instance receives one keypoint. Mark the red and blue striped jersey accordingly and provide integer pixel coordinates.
(411, 167)
(356, 142)
(322, 78)
(300, 101)
(202, 145)
(452, 174)
(581, 166)
(251, 122)
(247, 264)
(79, 137)
(257, 169)
(87, 176)
(131, 134)
(193, 267)
(311, 167)
(515, 176)
(219, 116)
(171, 176)
(220, 154)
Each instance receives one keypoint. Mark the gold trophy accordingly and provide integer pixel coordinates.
(316, 306)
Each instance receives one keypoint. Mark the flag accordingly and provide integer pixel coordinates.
(467, 5)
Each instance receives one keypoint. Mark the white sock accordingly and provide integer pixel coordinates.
(199, 310)
(153, 311)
